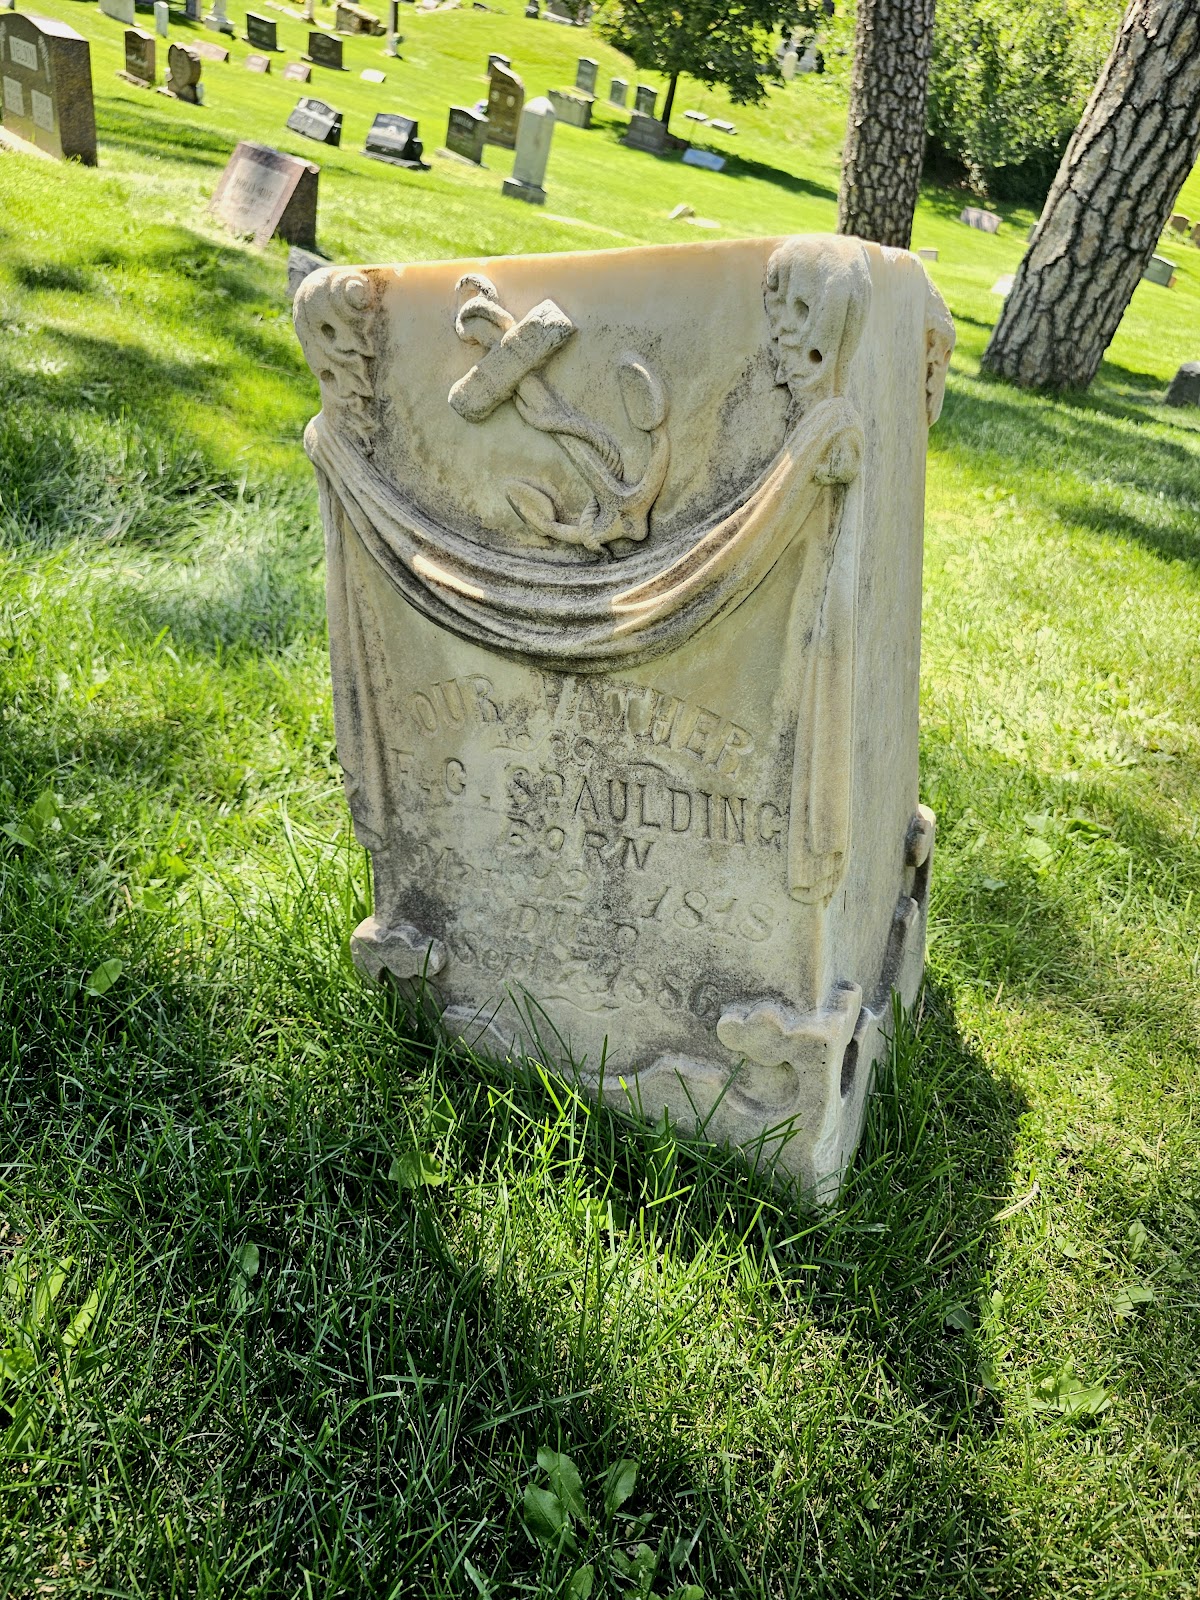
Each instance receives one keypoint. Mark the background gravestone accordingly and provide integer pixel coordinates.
(466, 134)
(183, 73)
(257, 63)
(393, 138)
(495, 59)
(46, 86)
(264, 192)
(119, 11)
(644, 99)
(506, 96)
(572, 108)
(325, 50)
(1185, 386)
(617, 92)
(261, 32)
(316, 120)
(645, 133)
(140, 66)
(534, 137)
(585, 74)
(297, 72)
(162, 19)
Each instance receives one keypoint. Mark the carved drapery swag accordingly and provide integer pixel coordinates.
(598, 613)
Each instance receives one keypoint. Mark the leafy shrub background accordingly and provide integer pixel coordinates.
(1008, 82)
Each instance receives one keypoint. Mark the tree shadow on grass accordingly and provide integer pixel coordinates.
(139, 131)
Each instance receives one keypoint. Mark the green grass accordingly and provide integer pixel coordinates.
(239, 1357)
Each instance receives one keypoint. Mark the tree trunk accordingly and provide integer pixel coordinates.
(669, 102)
(1136, 143)
(885, 133)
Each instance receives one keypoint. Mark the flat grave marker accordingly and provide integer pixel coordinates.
(708, 159)
(258, 63)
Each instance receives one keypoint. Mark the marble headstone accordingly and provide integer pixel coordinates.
(624, 608)
(264, 192)
(506, 96)
(46, 86)
(162, 18)
(571, 107)
(534, 137)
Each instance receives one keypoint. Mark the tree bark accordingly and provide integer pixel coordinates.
(669, 103)
(885, 132)
(1138, 139)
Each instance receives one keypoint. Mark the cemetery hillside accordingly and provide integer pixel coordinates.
(297, 1299)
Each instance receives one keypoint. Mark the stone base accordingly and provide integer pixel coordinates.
(395, 161)
(515, 190)
(13, 141)
(190, 98)
(138, 83)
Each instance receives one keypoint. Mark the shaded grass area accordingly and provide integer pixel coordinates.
(242, 1356)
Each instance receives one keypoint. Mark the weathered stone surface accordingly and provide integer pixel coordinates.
(119, 11)
(257, 63)
(985, 221)
(1185, 386)
(302, 264)
(264, 192)
(1161, 271)
(183, 73)
(618, 92)
(644, 99)
(624, 599)
(646, 133)
(571, 107)
(1178, 222)
(355, 19)
(506, 97)
(532, 153)
(585, 75)
(46, 86)
(139, 58)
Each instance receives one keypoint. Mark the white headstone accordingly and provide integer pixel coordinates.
(162, 18)
(534, 135)
(788, 65)
(120, 11)
(624, 614)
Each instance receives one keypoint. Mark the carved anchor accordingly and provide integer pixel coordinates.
(510, 370)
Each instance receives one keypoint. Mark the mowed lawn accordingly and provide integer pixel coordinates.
(244, 1352)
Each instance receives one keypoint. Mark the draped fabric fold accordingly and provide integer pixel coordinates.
(587, 618)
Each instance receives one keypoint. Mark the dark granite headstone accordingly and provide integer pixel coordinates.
(264, 192)
(585, 74)
(644, 99)
(1185, 386)
(191, 10)
(297, 72)
(533, 10)
(394, 139)
(315, 120)
(261, 32)
(466, 134)
(258, 63)
(139, 58)
(506, 96)
(183, 73)
(46, 86)
(325, 50)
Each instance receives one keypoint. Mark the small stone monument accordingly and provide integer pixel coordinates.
(393, 139)
(466, 134)
(572, 108)
(1161, 271)
(258, 63)
(624, 613)
(261, 32)
(618, 91)
(120, 11)
(788, 64)
(645, 133)
(1179, 223)
(140, 67)
(162, 19)
(532, 153)
(183, 74)
(585, 74)
(297, 72)
(976, 217)
(1185, 386)
(217, 20)
(264, 192)
(324, 50)
(644, 99)
(316, 120)
(349, 18)
(506, 96)
(46, 86)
